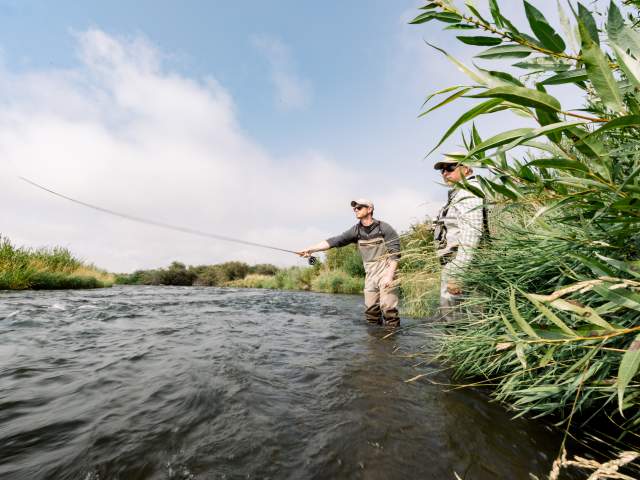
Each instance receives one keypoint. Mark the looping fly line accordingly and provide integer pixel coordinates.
(312, 260)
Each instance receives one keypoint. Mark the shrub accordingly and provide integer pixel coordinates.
(347, 259)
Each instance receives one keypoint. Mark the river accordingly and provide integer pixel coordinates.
(208, 383)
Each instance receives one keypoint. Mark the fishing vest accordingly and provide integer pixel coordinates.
(446, 228)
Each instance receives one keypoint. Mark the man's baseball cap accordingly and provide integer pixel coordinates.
(362, 201)
(449, 159)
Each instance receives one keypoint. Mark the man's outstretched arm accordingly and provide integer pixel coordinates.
(318, 247)
(345, 238)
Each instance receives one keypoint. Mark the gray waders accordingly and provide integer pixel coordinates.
(381, 303)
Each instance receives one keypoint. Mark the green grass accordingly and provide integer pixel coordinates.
(46, 269)
(337, 281)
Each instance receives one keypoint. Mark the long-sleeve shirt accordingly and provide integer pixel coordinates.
(460, 224)
(376, 230)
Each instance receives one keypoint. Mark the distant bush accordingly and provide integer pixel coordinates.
(233, 270)
(263, 269)
(177, 274)
(207, 276)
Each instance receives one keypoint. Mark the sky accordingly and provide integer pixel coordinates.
(255, 120)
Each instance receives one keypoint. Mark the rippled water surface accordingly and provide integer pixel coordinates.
(205, 383)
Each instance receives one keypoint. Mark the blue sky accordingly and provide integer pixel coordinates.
(289, 110)
(343, 49)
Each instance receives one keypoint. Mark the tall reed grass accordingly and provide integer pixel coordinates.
(553, 318)
(46, 268)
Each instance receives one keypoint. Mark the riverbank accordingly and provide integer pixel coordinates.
(341, 272)
(552, 316)
(47, 269)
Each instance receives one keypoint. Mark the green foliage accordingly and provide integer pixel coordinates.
(559, 287)
(46, 268)
(346, 258)
(337, 281)
(419, 272)
(256, 280)
(263, 269)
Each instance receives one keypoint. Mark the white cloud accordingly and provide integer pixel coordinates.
(121, 132)
(292, 92)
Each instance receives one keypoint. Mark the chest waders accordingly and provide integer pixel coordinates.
(381, 303)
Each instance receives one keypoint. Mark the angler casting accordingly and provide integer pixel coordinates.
(379, 246)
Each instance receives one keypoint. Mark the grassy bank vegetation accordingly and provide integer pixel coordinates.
(46, 268)
(342, 272)
(553, 320)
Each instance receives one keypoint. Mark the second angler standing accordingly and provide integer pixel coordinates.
(459, 228)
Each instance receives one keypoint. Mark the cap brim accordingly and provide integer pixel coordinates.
(439, 165)
(353, 203)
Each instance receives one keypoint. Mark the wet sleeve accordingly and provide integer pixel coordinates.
(392, 240)
(345, 238)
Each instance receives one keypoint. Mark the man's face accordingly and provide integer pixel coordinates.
(362, 211)
(452, 172)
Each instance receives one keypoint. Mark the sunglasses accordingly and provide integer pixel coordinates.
(449, 167)
(358, 207)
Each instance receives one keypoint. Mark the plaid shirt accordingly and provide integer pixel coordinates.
(460, 224)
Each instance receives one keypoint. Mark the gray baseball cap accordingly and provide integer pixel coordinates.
(362, 201)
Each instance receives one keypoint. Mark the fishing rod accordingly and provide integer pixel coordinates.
(312, 260)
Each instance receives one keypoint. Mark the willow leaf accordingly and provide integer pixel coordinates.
(443, 91)
(467, 116)
(542, 30)
(479, 78)
(546, 117)
(629, 65)
(571, 76)
(422, 18)
(472, 8)
(495, 13)
(479, 40)
(545, 63)
(548, 130)
(599, 72)
(628, 369)
(506, 51)
(522, 96)
(619, 33)
(499, 140)
(447, 100)
(585, 17)
(502, 78)
(559, 164)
